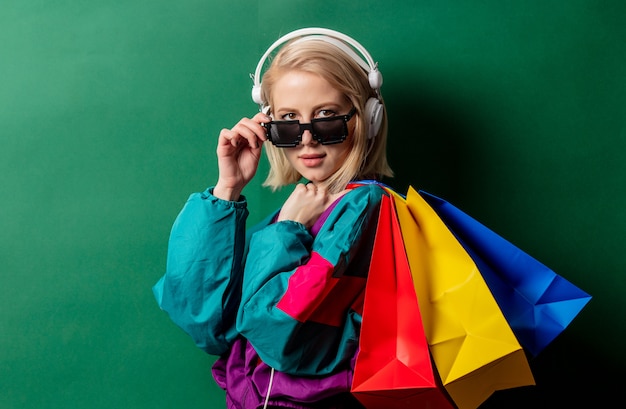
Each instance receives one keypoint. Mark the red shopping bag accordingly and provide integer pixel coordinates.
(393, 367)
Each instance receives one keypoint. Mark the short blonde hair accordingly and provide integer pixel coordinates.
(367, 158)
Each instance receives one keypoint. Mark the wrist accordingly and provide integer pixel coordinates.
(227, 193)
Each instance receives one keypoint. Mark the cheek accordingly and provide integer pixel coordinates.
(351, 140)
(343, 153)
(352, 132)
(291, 155)
(352, 127)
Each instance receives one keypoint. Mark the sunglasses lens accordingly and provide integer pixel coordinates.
(285, 134)
(327, 131)
(330, 131)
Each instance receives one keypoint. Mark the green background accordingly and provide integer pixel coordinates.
(514, 111)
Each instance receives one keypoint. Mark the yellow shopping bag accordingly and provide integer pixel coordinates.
(472, 345)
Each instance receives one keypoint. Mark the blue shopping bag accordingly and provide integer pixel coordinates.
(537, 303)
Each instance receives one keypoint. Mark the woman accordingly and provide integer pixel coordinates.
(281, 302)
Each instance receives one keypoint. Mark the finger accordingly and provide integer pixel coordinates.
(322, 195)
(252, 131)
(228, 137)
(301, 187)
(246, 129)
(311, 190)
(261, 119)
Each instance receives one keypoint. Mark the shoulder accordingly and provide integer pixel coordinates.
(370, 193)
(361, 200)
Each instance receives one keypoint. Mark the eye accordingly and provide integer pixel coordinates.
(290, 116)
(325, 113)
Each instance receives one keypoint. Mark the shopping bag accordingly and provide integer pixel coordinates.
(537, 303)
(393, 367)
(472, 345)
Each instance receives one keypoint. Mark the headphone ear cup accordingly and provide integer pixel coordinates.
(375, 79)
(374, 116)
(256, 95)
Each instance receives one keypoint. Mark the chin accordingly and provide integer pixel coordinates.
(314, 179)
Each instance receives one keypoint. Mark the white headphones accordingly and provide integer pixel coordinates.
(373, 106)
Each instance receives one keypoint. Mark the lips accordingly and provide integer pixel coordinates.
(312, 160)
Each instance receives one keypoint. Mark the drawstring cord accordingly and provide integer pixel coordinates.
(269, 389)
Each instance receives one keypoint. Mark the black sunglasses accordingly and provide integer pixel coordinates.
(327, 131)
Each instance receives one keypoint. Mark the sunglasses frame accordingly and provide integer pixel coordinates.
(309, 127)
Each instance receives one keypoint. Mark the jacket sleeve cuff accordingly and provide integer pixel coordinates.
(242, 203)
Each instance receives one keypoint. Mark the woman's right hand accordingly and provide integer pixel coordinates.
(238, 155)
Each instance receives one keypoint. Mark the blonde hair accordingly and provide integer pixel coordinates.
(367, 158)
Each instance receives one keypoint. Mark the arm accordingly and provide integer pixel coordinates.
(284, 264)
(201, 288)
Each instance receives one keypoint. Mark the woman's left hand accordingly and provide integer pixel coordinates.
(305, 204)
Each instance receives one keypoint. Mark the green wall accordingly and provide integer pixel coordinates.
(109, 113)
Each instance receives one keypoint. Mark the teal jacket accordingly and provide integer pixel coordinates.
(296, 295)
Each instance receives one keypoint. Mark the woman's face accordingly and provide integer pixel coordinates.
(304, 96)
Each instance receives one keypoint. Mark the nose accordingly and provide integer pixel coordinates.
(307, 133)
(307, 137)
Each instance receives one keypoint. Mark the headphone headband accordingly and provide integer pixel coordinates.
(336, 38)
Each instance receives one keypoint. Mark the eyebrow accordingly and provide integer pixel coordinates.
(331, 106)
